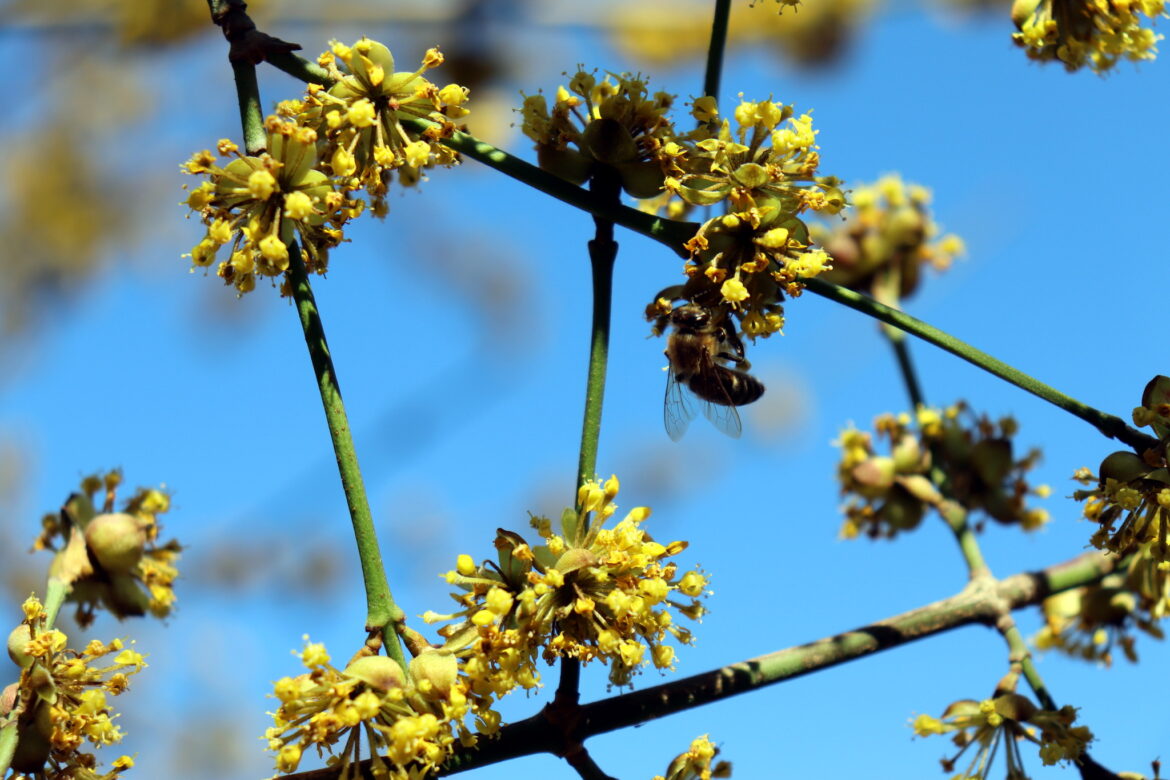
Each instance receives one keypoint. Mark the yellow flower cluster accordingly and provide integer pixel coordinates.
(1130, 501)
(258, 205)
(359, 118)
(1088, 622)
(60, 704)
(891, 493)
(765, 171)
(335, 141)
(812, 34)
(696, 763)
(1097, 33)
(112, 559)
(613, 123)
(744, 260)
(1001, 723)
(588, 593)
(411, 723)
(888, 239)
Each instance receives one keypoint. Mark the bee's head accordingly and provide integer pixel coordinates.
(691, 316)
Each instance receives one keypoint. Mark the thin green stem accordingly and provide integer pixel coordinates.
(956, 519)
(602, 254)
(382, 613)
(1109, 425)
(1022, 654)
(251, 117)
(674, 234)
(300, 68)
(716, 48)
(952, 512)
(897, 340)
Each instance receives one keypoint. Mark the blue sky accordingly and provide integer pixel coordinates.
(466, 405)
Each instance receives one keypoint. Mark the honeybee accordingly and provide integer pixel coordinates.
(698, 349)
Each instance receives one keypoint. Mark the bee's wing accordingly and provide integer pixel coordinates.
(678, 409)
(710, 384)
(724, 417)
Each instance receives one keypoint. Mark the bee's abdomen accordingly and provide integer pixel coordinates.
(726, 386)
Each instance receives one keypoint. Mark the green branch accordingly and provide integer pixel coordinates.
(1109, 425)
(300, 68)
(382, 613)
(978, 603)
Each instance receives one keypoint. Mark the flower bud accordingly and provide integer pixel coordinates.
(574, 559)
(8, 699)
(377, 671)
(1022, 10)
(20, 636)
(609, 142)
(434, 672)
(569, 164)
(641, 179)
(116, 541)
(1123, 466)
(902, 513)
(907, 455)
(125, 597)
(876, 474)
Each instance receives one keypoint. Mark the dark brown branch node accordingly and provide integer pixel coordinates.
(247, 43)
